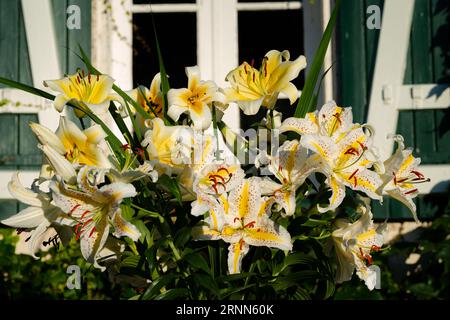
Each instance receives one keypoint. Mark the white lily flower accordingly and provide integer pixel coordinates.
(94, 209)
(342, 148)
(40, 216)
(354, 243)
(218, 178)
(401, 176)
(330, 121)
(290, 166)
(170, 147)
(88, 91)
(245, 223)
(59, 164)
(252, 88)
(77, 146)
(196, 99)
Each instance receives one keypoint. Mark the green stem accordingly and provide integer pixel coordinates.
(216, 133)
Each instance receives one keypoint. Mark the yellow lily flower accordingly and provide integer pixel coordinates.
(245, 223)
(354, 243)
(290, 166)
(94, 208)
(252, 88)
(77, 146)
(196, 99)
(170, 147)
(89, 91)
(401, 176)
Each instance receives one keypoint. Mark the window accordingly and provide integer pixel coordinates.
(217, 35)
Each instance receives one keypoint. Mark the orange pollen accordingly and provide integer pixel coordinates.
(352, 151)
(395, 178)
(265, 69)
(362, 145)
(338, 117)
(241, 244)
(411, 191)
(418, 174)
(98, 77)
(237, 218)
(84, 214)
(375, 248)
(74, 208)
(253, 77)
(92, 231)
(250, 224)
(353, 174)
(245, 69)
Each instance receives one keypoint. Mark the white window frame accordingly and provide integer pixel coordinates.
(40, 32)
(217, 43)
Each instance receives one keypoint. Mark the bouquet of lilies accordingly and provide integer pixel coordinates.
(186, 208)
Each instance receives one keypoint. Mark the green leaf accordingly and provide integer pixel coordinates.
(27, 88)
(306, 98)
(171, 185)
(197, 261)
(293, 279)
(135, 262)
(162, 70)
(229, 291)
(207, 282)
(157, 285)
(294, 259)
(173, 294)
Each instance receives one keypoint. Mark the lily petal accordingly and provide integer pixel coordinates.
(124, 228)
(236, 252)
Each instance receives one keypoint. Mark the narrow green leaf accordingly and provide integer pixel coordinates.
(197, 261)
(162, 69)
(207, 282)
(173, 294)
(157, 285)
(27, 88)
(306, 98)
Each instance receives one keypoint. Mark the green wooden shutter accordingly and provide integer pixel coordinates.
(18, 145)
(427, 131)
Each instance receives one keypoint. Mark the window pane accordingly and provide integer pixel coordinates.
(178, 46)
(261, 31)
(162, 1)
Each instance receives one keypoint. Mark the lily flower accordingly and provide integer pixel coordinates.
(402, 175)
(342, 148)
(245, 223)
(130, 175)
(93, 92)
(330, 121)
(77, 146)
(354, 243)
(290, 166)
(94, 208)
(169, 147)
(40, 216)
(218, 178)
(151, 100)
(196, 99)
(252, 88)
(345, 164)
